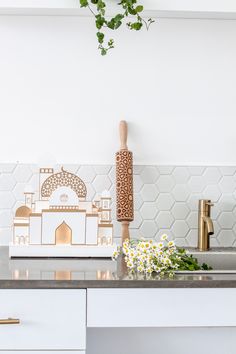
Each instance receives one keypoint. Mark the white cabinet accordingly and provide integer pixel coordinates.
(49, 319)
(161, 307)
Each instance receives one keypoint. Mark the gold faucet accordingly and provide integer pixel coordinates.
(205, 224)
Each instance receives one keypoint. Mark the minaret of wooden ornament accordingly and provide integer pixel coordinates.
(44, 173)
(124, 183)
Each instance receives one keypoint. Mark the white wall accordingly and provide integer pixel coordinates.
(175, 85)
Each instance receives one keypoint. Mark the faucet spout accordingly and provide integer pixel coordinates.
(209, 225)
(205, 225)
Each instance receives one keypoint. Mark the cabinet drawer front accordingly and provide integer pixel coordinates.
(44, 352)
(49, 319)
(161, 307)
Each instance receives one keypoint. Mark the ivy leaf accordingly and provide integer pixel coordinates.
(139, 8)
(83, 3)
(100, 5)
(111, 24)
(136, 26)
(115, 22)
(132, 11)
(100, 20)
(110, 43)
(103, 51)
(119, 17)
(100, 37)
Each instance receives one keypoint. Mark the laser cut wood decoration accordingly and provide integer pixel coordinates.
(62, 223)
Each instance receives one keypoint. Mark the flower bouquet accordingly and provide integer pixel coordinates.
(164, 257)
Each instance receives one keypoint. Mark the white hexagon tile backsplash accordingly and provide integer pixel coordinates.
(165, 198)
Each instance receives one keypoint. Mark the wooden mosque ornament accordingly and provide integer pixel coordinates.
(61, 222)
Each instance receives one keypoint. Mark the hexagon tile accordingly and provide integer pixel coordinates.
(165, 198)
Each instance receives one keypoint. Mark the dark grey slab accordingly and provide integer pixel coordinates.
(93, 273)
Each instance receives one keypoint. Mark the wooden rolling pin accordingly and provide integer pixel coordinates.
(124, 183)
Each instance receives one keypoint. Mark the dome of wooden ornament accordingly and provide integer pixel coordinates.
(23, 212)
(63, 179)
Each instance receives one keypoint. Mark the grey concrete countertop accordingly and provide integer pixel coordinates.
(93, 273)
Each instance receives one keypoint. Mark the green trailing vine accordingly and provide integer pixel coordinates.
(129, 9)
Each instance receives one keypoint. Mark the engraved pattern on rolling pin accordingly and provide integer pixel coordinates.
(124, 185)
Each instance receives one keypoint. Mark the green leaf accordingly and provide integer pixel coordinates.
(136, 26)
(83, 3)
(118, 24)
(115, 22)
(132, 11)
(111, 24)
(103, 51)
(100, 20)
(119, 17)
(206, 267)
(100, 37)
(139, 8)
(191, 267)
(110, 43)
(100, 5)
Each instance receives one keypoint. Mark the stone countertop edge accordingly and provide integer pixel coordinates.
(96, 284)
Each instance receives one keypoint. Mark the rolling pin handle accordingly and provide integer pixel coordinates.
(125, 231)
(123, 135)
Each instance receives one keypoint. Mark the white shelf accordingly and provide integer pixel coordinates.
(212, 9)
(65, 251)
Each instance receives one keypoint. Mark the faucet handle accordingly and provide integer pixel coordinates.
(205, 205)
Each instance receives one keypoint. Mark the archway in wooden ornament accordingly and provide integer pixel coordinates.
(63, 234)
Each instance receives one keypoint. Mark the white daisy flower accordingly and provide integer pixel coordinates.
(164, 237)
(115, 255)
(140, 269)
(171, 244)
(160, 245)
